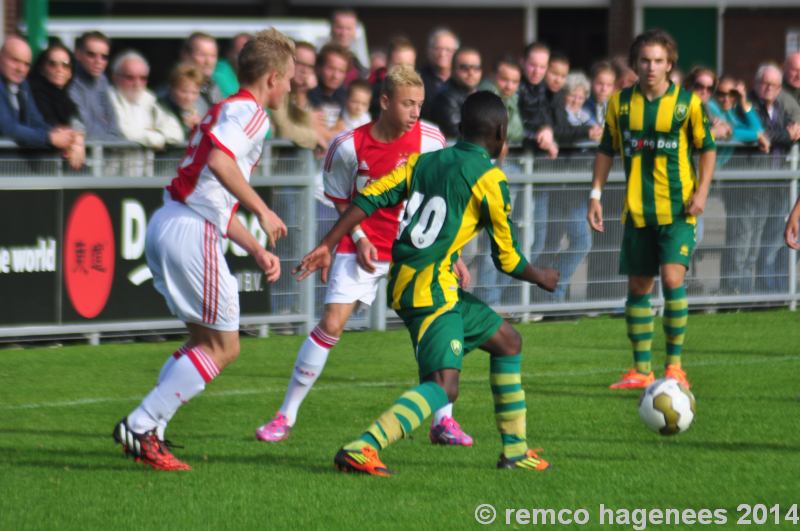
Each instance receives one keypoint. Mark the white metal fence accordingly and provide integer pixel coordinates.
(740, 259)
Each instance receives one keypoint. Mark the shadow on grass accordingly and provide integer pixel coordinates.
(72, 459)
(67, 459)
(130, 466)
(303, 464)
(54, 433)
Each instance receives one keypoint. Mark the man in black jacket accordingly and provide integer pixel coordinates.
(466, 76)
(534, 107)
(442, 45)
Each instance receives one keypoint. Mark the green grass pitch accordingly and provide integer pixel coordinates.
(59, 468)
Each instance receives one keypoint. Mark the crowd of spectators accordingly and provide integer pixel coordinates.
(65, 99)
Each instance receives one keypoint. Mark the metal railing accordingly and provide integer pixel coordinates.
(740, 259)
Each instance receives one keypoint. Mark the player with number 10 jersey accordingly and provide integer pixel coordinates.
(355, 159)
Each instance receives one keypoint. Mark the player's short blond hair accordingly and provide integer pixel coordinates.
(270, 50)
(401, 76)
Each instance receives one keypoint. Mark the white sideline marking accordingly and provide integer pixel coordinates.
(354, 384)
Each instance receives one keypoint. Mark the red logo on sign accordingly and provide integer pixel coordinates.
(89, 255)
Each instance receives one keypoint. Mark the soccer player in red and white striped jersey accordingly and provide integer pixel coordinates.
(183, 243)
(356, 158)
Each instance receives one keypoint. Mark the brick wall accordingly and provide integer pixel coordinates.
(754, 36)
(494, 31)
(11, 12)
(620, 27)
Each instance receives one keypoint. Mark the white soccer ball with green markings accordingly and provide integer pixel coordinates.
(667, 407)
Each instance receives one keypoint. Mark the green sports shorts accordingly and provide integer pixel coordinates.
(443, 336)
(645, 249)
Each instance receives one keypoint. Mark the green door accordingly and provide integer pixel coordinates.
(695, 29)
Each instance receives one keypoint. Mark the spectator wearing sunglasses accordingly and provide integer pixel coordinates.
(731, 104)
(467, 73)
(49, 81)
(90, 87)
(703, 81)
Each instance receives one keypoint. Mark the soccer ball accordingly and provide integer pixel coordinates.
(667, 407)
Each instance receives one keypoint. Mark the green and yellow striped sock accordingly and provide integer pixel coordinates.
(404, 416)
(509, 403)
(676, 314)
(639, 321)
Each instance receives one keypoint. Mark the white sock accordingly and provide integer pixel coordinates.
(183, 381)
(162, 424)
(310, 361)
(441, 413)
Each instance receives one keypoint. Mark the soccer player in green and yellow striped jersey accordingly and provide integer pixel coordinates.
(655, 126)
(452, 195)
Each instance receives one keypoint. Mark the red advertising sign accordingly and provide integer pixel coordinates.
(89, 254)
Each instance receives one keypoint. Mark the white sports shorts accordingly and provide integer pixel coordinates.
(348, 283)
(184, 253)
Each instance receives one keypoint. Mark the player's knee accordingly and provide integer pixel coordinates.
(672, 278)
(332, 325)
(510, 343)
(640, 285)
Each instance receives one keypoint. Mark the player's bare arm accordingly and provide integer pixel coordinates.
(366, 253)
(602, 167)
(227, 172)
(320, 257)
(462, 272)
(790, 234)
(267, 262)
(697, 203)
(544, 277)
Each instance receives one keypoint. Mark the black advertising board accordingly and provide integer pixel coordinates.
(30, 261)
(76, 256)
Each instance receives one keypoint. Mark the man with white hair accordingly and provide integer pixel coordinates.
(779, 127)
(140, 118)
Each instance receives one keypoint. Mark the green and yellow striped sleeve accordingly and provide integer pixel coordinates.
(389, 190)
(699, 126)
(609, 143)
(496, 218)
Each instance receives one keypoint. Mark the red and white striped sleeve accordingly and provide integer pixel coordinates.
(240, 125)
(432, 137)
(340, 169)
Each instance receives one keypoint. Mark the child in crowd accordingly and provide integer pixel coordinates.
(185, 82)
(355, 112)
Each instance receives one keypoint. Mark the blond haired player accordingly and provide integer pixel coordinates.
(184, 249)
